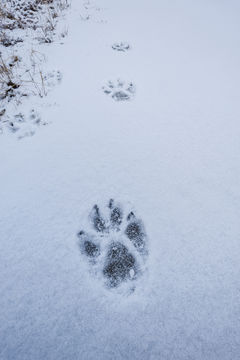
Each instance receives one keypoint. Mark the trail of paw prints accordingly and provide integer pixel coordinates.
(121, 46)
(115, 245)
(22, 125)
(119, 90)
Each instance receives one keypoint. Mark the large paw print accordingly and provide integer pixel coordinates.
(115, 245)
(119, 90)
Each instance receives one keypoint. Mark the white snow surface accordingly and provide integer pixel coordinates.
(173, 152)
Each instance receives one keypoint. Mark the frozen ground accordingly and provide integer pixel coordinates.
(170, 150)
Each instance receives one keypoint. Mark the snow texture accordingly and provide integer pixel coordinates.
(172, 154)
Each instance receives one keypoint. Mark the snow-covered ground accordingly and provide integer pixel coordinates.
(171, 152)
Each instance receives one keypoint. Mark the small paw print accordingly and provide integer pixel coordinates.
(24, 125)
(119, 90)
(115, 245)
(52, 78)
(121, 46)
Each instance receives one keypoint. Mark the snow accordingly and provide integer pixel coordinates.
(172, 152)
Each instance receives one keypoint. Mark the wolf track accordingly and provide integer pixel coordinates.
(121, 46)
(116, 245)
(119, 90)
(22, 125)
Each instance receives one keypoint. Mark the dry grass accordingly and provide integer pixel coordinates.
(12, 77)
(40, 15)
(27, 13)
(8, 82)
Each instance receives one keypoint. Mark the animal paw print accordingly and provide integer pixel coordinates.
(122, 46)
(119, 90)
(115, 245)
(23, 125)
(52, 78)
